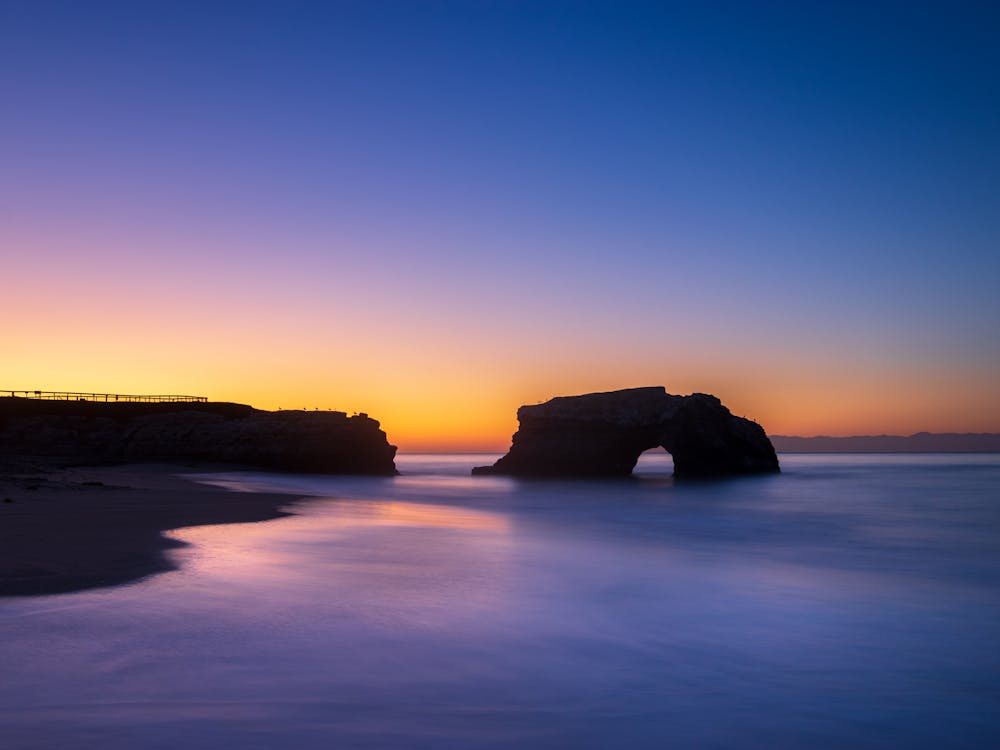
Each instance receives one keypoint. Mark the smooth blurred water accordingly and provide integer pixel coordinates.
(850, 602)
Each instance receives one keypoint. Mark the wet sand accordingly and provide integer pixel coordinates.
(69, 529)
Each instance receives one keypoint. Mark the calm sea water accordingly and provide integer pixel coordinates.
(850, 602)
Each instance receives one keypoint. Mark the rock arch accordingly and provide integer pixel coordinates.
(603, 434)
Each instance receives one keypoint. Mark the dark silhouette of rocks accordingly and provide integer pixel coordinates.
(85, 432)
(603, 434)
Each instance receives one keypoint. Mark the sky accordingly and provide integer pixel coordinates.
(434, 212)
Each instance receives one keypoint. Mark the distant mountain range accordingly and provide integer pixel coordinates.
(922, 442)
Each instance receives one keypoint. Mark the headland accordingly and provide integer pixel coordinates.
(91, 432)
(82, 506)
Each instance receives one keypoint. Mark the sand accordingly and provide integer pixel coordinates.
(69, 529)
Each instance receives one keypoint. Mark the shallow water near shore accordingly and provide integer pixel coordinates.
(852, 601)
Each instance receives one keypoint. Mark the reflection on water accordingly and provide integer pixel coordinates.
(387, 556)
(850, 602)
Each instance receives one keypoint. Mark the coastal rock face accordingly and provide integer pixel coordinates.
(97, 432)
(603, 434)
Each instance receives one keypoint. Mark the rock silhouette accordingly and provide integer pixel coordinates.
(85, 432)
(603, 434)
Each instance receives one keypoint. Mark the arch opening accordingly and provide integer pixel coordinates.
(656, 461)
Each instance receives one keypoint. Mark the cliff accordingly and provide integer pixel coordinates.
(603, 434)
(85, 432)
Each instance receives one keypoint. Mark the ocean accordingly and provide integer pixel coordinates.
(852, 601)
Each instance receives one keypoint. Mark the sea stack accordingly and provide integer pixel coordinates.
(95, 432)
(603, 434)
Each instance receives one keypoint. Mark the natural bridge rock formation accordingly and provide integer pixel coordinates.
(95, 432)
(602, 435)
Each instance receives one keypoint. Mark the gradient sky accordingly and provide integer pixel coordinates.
(436, 211)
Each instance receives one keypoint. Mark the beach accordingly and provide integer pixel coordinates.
(66, 529)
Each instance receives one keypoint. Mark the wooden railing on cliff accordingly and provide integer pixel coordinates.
(103, 397)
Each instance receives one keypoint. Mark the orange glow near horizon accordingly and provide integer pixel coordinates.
(422, 410)
(435, 379)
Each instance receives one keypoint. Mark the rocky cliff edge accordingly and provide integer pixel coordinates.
(95, 432)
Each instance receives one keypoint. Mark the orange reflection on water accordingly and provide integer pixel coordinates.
(436, 516)
(329, 537)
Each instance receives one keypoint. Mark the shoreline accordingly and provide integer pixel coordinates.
(69, 529)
